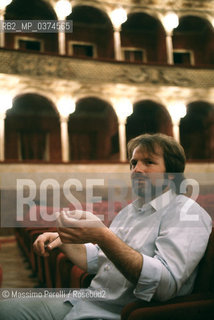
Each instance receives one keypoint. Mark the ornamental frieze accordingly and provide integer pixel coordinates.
(93, 71)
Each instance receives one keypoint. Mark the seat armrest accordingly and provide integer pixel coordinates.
(191, 310)
(187, 305)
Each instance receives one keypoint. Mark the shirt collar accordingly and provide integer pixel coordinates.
(163, 200)
(158, 203)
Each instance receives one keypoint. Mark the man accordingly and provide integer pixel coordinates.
(151, 250)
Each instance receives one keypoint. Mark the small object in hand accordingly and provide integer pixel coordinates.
(48, 243)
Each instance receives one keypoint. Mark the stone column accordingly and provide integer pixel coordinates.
(169, 47)
(122, 139)
(176, 130)
(63, 9)
(170, 22)
(118, 16)
(64, 138)
(61, 42)
(177, 110)
(117, 44)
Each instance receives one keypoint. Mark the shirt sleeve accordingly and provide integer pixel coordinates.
(179, 248)
(154, 281)
(92, 257)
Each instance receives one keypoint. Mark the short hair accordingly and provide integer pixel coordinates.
(173, 152)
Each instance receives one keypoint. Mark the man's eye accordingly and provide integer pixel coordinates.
(133, 163)
(148, 162)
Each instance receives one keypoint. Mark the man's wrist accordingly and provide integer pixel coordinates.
(102, 235)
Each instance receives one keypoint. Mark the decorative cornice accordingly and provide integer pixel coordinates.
(154, 4)
(93, 71)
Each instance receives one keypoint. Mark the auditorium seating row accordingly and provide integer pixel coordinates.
(55, 271)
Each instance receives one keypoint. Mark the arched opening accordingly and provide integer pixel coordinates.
(193, 41)
(197, 131)
(92, 129)
(93, 34)
(143, 39)
(32, 130)
(31, 10)
(148, 117)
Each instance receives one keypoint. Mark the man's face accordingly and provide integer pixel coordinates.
(148, 173)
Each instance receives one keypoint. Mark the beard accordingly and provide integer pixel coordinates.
(145, 188)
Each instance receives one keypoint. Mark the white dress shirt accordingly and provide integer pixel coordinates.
(171, 232)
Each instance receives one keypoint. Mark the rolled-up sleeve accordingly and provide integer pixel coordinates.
(154, 281)
(149, 278)
(92, 257)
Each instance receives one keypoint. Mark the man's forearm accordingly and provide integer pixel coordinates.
(128, 261)
(76, 253)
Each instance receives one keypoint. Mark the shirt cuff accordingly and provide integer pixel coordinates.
(149, 278)
(92, 257)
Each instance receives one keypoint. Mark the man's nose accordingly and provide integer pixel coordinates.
(140, 167)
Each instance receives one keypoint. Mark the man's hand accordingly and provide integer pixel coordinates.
(50, 240)
(79, 227)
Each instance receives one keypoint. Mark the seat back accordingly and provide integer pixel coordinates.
(205, 277)
(1, 276)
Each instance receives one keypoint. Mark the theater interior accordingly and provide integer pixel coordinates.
(78, 80)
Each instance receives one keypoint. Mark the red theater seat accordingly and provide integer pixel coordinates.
(1, 273)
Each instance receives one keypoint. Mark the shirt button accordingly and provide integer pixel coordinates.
(106, 268)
